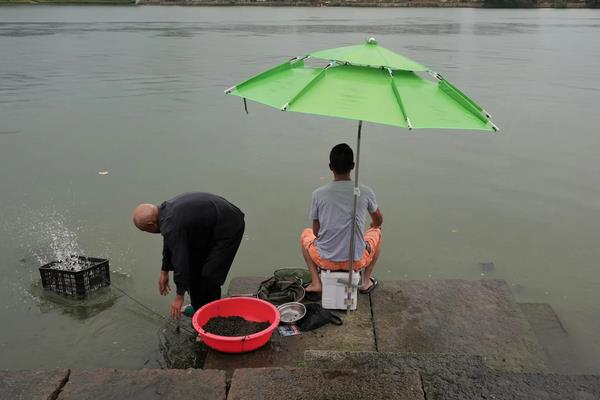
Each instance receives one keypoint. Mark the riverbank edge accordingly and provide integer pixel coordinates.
(420, 340)
(556, 4)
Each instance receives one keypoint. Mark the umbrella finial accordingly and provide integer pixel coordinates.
(371, 41)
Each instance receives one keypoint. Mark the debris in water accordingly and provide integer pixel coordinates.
(487, 266)
(234, 326)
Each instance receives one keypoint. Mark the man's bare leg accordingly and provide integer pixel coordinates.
(369, 269)
(315, 285)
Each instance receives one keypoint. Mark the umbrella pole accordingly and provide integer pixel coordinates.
(353, 223)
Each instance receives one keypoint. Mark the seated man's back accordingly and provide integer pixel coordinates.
(327, 244)
(332, 206)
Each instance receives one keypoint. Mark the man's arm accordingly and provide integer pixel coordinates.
(167, 264)
(179, 252)
(376, 218)
(316, 227)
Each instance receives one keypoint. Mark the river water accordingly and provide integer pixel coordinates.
(138, 92)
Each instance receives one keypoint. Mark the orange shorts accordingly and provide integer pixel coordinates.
(372, 237)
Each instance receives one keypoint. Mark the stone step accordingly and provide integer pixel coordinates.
(456, 317)
(445, 316)
(452, 367)
(355, 334)
(144, 384)
(314, 384)
(553, 337)
(32, 384)
(463, 377)
(244, 285)
(514, 386)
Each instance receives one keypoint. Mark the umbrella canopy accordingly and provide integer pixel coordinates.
(366, 83)
(369, 54)
(385, 92)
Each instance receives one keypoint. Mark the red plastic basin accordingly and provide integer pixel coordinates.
(250, 308)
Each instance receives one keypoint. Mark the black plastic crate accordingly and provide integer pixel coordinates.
(76, 283)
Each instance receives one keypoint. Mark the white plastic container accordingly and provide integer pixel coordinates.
(334, 289)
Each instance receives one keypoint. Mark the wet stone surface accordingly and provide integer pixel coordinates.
(316, 384)
(553, 337)
(457, 317)
(178, 346)
(145, 384)
(450, 366)
(31, 384)
(514, 386)
(355, 334)
(244, 285)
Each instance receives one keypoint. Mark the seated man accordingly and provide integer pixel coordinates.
(327, 244)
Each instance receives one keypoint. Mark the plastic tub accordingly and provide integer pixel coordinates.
(250, 308)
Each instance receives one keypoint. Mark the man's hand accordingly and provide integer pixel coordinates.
(163, 283)
(176, 306)
(376, 219)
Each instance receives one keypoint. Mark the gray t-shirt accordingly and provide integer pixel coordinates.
(332, 206)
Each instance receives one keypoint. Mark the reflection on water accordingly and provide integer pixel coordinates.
(88, 307)
(193, 29)
(181, 29)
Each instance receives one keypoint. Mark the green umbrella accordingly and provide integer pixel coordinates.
(369, 83)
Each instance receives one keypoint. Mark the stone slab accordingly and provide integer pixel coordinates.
(456, 317)
(553, 337)
(31, 384)
(355, 334)
(144, 384)
(515, 386)
(316, 384)
(451, 366)
(244, 286)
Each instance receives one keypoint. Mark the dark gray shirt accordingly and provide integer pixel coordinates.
(190, 223)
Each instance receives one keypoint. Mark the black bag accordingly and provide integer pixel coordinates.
(316, 316)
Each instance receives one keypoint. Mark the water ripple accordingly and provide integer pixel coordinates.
(177, 29)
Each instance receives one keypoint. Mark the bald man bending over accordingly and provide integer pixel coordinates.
(201, 235)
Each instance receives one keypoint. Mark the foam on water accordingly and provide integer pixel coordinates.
(55, 241)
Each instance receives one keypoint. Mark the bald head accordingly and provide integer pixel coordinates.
(145, 218)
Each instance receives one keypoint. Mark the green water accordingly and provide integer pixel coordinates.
(138, 92)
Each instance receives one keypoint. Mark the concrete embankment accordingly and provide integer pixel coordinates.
(418, 340)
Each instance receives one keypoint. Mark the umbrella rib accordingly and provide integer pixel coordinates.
(285, 65)
(399, 100)
(387, 62)
(465, 101)
(311, 83)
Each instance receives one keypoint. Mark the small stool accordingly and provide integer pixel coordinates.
(334, 284)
